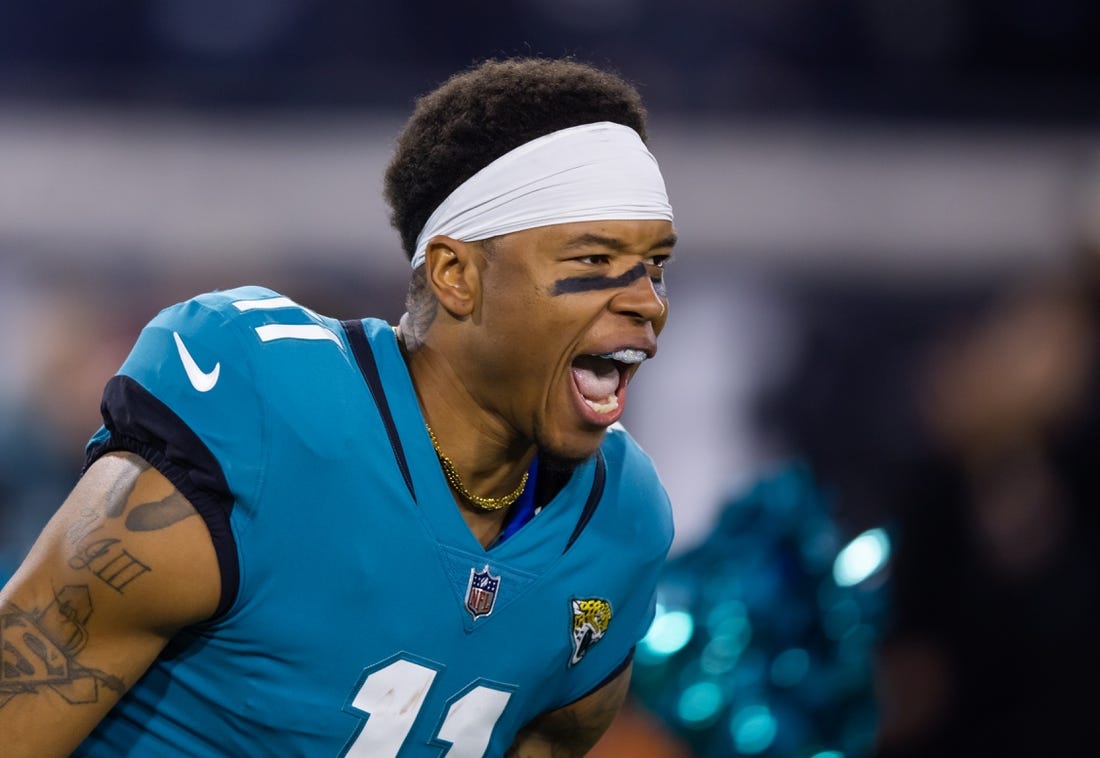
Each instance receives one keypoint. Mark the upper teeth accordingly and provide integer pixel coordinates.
(627, 355)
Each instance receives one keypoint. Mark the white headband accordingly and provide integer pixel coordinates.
(593, 172)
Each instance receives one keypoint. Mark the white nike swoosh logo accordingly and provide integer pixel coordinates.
(203, 381)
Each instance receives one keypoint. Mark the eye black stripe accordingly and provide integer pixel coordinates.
(574, 284)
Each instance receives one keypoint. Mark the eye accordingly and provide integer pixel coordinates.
(656, 266)
(595, 259)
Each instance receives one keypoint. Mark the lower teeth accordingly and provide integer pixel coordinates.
(607, 406)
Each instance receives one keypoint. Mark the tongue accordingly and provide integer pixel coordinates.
(596, 378)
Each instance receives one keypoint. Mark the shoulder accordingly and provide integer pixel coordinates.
(203, 343)
(209, 321)
(635, 506)
(204, 372)
(242, 309)
(622, 451)
(225, 304)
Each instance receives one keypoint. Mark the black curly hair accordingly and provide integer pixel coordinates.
(479, 115)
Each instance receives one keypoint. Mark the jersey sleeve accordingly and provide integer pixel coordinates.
(185, 401)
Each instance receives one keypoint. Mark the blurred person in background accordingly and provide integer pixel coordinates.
(300, 535)
(992, 646)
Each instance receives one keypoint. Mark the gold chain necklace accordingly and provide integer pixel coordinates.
(484, 503)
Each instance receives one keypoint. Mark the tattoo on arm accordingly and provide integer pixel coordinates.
(38, 650)
(148, 517)
(39, 647)
(114, 499)
(145, 517)
(109, 561)
(106, 557)
(112, 503)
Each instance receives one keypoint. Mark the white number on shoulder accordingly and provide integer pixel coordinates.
(269, 332)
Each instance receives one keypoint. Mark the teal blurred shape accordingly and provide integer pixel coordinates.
(765, 631)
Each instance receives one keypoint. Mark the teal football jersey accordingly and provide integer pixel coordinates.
(359, 615)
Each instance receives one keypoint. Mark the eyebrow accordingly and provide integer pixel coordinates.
(613, 243)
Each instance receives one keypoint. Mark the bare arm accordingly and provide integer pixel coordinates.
(120, 568)
(571, 731)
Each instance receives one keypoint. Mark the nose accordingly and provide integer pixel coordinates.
(644, 300)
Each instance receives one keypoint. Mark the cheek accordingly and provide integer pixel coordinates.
(535, 329)
(532, 314)
(518, 334)
(540, 343)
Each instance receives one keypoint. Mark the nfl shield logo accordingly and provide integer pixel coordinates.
(481, 592)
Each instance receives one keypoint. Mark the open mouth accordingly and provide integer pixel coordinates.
(601, 379)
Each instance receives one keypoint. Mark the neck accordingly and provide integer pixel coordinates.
(487, 457)
(479, 502)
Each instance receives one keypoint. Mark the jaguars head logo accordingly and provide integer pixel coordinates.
(591, 617)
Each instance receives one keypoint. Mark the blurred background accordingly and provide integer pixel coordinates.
(874, 405)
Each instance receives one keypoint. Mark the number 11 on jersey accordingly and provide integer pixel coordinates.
(391, 695)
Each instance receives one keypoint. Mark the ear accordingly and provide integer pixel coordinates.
(453, 275)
